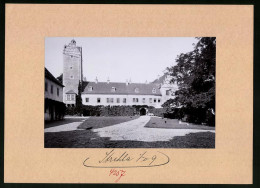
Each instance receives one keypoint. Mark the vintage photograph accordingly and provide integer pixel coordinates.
(129, 92)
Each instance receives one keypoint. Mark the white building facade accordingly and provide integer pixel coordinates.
(53, 94)
(109, 93)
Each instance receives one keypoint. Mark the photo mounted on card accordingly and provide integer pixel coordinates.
(121, 90)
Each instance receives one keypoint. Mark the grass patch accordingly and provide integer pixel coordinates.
(48, 124)
(89, 139)
(99, 122)
(165, 123)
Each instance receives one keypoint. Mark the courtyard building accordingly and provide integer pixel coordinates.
(95, 93)
(54, 108)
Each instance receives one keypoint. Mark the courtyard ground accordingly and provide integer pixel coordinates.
(128, 132)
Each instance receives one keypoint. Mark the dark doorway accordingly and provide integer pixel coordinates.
(142, 112)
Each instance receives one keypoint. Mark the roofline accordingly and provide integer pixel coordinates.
(118, 94)
(58, 83)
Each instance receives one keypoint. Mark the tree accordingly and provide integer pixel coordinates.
(79, 108)
(195, 77)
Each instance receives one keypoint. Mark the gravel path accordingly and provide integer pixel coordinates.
(135, 131)
(66, 127)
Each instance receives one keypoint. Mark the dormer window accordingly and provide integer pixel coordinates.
(113, 89)
(90, 88)
(136, 90)
(154, 90)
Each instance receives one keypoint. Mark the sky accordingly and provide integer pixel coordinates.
(119, 58)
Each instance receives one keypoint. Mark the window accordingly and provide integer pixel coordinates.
(58, 92)
(72, 97)
(87, 99)
(124, 100)
(150, 100)
(72, 105)
(159, 100)
(70, 67)
(107, 100)
(154, 100)
(136, 90)
(133, 99)
(46, 86)
(71, 56)
(51, 89)
(118, 100)
(68, 97)
(71, 77)
(90, 88)
(143, 100)
(98, 100)
(168, 92)
(111, 100)
(136, 99)
(113, 89)
(154, 90)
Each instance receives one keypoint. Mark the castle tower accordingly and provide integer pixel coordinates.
(72, 71)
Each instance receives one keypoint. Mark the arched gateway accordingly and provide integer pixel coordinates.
(143, 112)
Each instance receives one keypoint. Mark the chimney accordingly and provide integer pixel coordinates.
(96, 80)
(126, 82)
(108, 81)
(130, 81)
(84, 79)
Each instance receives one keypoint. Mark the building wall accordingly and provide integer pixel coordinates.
(54, 95)
(92, 100)
(72, 69)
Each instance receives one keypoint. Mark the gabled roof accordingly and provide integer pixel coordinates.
(71, 92)
(121, 88)
(49, 76)
(160, 80)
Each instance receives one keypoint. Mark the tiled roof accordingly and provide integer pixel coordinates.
(160, 80)
(121, 88)
(49, 76)
(71, 92)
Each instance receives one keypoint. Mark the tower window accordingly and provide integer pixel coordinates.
(68, 97)
(72, 97)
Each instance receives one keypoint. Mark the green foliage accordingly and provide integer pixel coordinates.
(195, 76)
